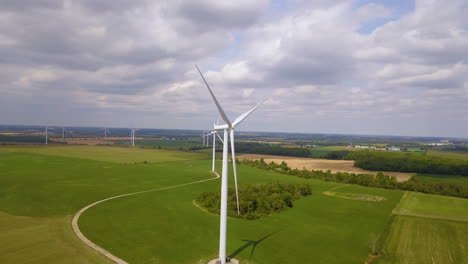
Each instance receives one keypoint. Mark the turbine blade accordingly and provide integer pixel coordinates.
(220, 137)
(220, 109)
(233, 154)
(246, 114)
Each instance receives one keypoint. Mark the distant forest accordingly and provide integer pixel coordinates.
(380, 180)
(382, 161)
(369, 160)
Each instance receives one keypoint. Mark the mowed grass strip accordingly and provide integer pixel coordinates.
(107, 153)
(418, 240)
(433, 206)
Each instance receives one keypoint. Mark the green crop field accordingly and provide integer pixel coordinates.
(423, 240)
(105, 153)
(461, 180)
(41, 187)
(427, 229)
(448, 154)
(170, 229)
(433, 206)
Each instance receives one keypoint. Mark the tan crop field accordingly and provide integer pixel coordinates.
(323, 164)
(92, 141)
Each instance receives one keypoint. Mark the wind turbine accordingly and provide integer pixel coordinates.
(105, 133)
(132, 136)
(46, 135)
(214, 133)
(203, 137)
(228, 130)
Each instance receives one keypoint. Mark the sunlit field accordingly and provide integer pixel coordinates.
(42, 187)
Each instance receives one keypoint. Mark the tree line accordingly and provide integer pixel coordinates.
(257, 148)
(382, 161)
(369, 160)
(380, 180)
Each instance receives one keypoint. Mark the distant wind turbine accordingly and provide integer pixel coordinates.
(228, 129)
(214, 133)
(132, 136)
(47, 134)
(105, 133)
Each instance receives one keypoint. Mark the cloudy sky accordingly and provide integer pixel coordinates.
(392, 67)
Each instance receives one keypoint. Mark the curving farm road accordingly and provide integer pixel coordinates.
(106, 253)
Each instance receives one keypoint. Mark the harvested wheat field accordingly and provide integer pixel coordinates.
(323, 164)
(92, 141)
(84, 141)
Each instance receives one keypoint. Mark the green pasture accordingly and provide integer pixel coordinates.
(48, 240)
(448, 154)
(39, 193)
(166, 227)
(427, 229)
(41, 187)
(419, 240)
(106, 153)
(454, 179)
(433, 206)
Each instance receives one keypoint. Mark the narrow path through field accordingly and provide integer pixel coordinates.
(106, 253)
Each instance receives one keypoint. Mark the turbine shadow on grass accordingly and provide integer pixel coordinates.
(250, 243)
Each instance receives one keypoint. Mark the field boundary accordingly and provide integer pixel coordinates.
(101, 250)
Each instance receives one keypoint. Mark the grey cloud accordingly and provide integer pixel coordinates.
(207, 14)
(133, 60)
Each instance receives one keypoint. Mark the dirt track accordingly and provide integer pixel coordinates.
(323, 164)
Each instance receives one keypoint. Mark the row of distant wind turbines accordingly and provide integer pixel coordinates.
(106, 131)
(228, 135)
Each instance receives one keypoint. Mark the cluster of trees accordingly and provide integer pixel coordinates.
(408, 163)
(380, 180)
(256, 201)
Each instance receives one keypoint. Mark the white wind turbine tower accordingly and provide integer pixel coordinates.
(46, 135)
(64, 132)
(132, 136)
(214, 133)
(105, 133)
(228, 129)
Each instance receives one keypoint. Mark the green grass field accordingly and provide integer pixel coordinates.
(38, 194)
(427, 229)
(423, 240)
(461, 180)
(105, 153)
(170, 229)
(41, 187)
(448, 154)
(433, 206)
